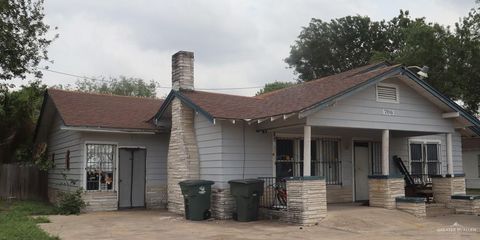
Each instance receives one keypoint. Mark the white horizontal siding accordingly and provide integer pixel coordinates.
(400, 147)
(361, 110)
(155, 144)
(224, 155)
(209, 141)
(59, 142)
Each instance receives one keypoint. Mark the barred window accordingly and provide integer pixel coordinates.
(325, 160)
(478, 165)
(100, 166)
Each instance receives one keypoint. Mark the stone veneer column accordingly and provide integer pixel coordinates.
(444, 187)
(307, 200)
(223, 203)
(413, 205)
(183, 159)
(382, 191)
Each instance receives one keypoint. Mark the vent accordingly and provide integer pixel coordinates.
(387, 93)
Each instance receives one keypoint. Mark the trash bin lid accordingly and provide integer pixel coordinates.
(246, 181)
(196, 182)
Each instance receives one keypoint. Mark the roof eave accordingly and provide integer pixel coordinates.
(185, 100)
(109, 129)
(446, 100)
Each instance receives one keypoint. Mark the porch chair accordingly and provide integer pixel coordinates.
(412, 188)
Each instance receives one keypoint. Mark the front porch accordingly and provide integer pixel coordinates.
(357, 165)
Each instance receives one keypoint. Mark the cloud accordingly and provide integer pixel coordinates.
(236, 43)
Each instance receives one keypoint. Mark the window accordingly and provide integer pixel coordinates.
(329, 164)
(67, 160)
(100, 166)
(387, 93)
(325, 159)
(424, 161)
(478, 166)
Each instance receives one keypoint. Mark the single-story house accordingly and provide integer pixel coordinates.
(471, 162)
(345, 129)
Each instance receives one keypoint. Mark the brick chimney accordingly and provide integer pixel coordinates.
(182, 71)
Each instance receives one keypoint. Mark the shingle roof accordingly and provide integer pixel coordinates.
(284, 101)
(80, 109)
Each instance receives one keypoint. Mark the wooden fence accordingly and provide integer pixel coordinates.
(23, 182)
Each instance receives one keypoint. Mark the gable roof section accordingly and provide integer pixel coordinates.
(284, 101)
(306, 97)
(78, 109)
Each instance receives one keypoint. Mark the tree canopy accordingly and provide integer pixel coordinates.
(122, 85)
(19, 113)
(23, 38)
(270, 87)
(453, 55)
(23, 45)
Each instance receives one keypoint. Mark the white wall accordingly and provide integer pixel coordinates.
(59, 142)
(361, 110)
(470, 166)
(224, 155)
(156, 145)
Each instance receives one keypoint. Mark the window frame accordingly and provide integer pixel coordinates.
(397, 92)
(478, 162)
(425, 159)
(296, 158)
(115, 165)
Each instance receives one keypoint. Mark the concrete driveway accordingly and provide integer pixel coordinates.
(343, 222)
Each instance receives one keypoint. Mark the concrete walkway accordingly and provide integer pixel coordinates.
(343, 222)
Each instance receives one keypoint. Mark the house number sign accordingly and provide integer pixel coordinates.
(388, 112)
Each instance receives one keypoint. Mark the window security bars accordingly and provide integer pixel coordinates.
(100, 166)
(424, 162)
(325, 159)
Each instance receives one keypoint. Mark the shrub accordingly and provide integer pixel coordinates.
(71, 202)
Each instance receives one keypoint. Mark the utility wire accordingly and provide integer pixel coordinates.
(104, 80)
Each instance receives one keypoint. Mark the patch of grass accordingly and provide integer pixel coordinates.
(17, 223)
(473, 191)
(41, 219)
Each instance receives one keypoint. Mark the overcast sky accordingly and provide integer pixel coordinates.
(236, 43)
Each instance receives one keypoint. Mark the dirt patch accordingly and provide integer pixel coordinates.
(343, 222)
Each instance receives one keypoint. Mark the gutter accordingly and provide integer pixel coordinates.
(108, 130)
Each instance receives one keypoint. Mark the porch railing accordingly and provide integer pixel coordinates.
(274, 193)
(422, 172)
(331, 170)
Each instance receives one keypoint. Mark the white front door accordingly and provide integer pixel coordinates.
(361, 170)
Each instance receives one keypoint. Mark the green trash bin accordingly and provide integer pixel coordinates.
(247, 194)
(196, 194)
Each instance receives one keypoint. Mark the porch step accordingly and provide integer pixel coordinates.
(438, 209)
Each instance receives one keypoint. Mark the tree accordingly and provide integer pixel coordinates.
(126, 86)
(23, 40)
(325, 48)
(19, 112)
(453, 56)
(464, 60)
(270, 87)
